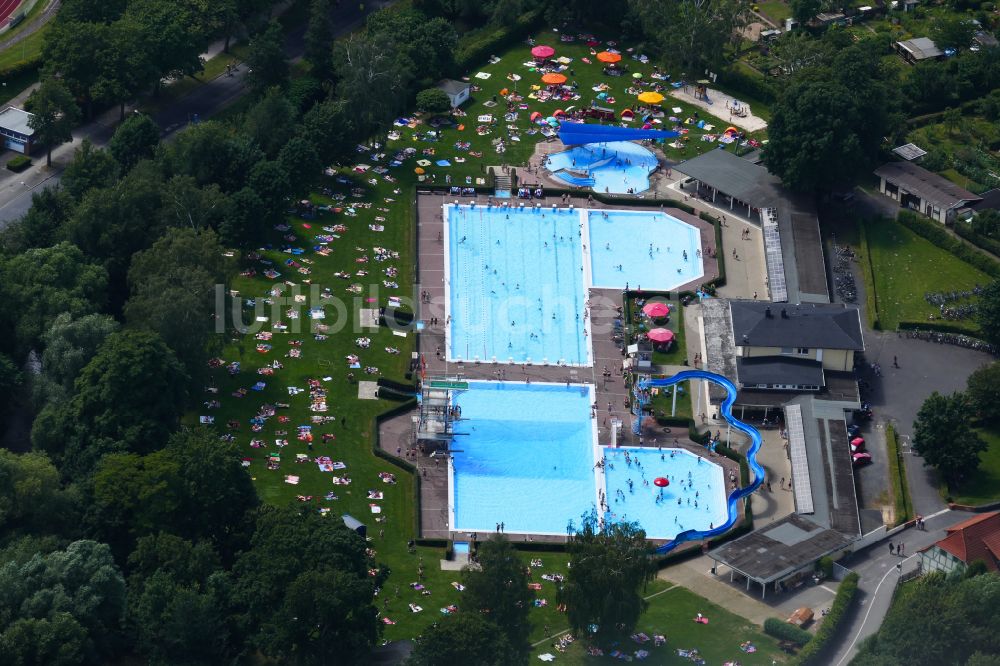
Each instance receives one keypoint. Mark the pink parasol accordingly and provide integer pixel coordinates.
(542, 51)
(661, 335)
(656, 309)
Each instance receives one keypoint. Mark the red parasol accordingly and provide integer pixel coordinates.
(656, 309)
(661, 335)
(660, 482)
(543, 51)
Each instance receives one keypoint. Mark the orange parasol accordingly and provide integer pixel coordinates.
(609, 57)
(553, 79)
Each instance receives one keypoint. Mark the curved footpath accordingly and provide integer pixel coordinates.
(726, 410)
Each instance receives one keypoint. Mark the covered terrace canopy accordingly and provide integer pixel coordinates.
(578, 133)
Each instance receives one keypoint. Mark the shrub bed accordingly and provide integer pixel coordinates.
(18, 164)
(936, 234)
(786, 632)
(813, 652)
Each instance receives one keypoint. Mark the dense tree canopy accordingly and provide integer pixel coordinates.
(316, 569)
(41, 284)
(62, 608)
(943, 436)
(938, 620)
(499, 591)
(465, 638)
(983, 391)
(988, 312)
(610, 565)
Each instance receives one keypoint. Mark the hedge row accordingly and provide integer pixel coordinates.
(936, 234)
(940, 326)
(399, 462)
(814, 651)
(21, 68)
(476, 47)
(985, 242)
(871, 292)
(897, 475)
(784, 631)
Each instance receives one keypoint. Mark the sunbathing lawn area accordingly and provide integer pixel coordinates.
(517, 152)
(984, 484)
(906, 267)
(363, 253)
(671, 614)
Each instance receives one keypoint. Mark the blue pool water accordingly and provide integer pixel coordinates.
(616, 166)
(649, 247)
(666, 519)
(526, 457)
(515, 285)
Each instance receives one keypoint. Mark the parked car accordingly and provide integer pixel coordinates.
(857, 445)
(861, 459)
(853, 430)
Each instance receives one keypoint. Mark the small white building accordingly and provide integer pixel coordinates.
(16, 132)
(923, 191)
(457, 91)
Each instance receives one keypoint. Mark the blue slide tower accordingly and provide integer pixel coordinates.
(726, 410)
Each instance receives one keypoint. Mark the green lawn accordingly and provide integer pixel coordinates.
(906, 267)
(517, 152)
(671, 614)
(984, 485)
(961, 151)
(28, 48)
(366, 199)
(638, 323)
(776, 10)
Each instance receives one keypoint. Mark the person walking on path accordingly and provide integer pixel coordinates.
(891, 548)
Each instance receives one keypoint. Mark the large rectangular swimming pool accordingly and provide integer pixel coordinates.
(515, 285)
(525, 457)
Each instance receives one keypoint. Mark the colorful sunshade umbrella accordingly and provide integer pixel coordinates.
(543, 51)
(656, 309)
(661, 335)
(609, 57)
(650, 97)
(553, 78)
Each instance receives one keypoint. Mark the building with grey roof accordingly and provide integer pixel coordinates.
(826, 520)
(16, 130)
(792, 244)
(923, 191)
(918, 49)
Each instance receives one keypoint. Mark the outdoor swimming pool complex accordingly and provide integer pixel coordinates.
(518, 277)
(615, 166)
(527, 454)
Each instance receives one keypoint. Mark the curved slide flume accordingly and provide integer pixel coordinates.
(726, 409)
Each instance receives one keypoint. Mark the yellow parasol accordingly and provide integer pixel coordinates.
(650, 97)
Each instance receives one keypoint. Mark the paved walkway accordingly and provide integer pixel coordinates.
(878, 576)
(719, 105)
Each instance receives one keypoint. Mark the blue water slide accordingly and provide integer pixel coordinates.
(577, 133)
(726, 409)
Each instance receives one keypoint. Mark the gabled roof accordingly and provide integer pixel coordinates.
(809, 325)
(927, 185)
(779, 370)
(976, 539)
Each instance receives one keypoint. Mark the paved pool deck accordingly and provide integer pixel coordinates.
(396, 433)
